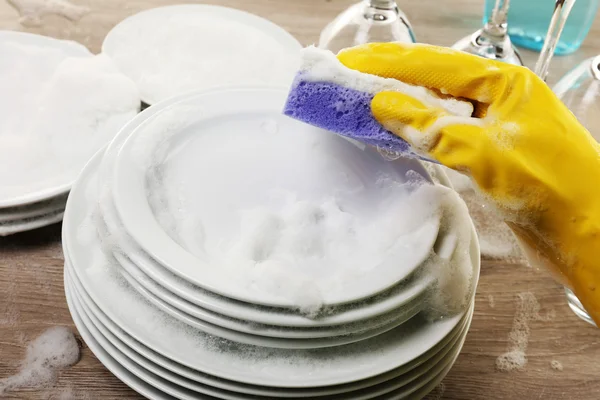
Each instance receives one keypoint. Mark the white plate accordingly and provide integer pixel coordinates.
(48, 164)
(180, 386)
(10, 228)
(284, 343)
(70, 49)
(10, 214)
(138, 45)
(110, 363)
(115, 332)
(199, 137)
(156, 293)
(176, 290)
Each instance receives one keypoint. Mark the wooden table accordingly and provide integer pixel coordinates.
(31, 264)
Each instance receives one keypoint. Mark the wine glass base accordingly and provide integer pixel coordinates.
(577, 307)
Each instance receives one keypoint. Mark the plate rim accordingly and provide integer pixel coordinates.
(447, 354)
(227, 12)
(128, 193)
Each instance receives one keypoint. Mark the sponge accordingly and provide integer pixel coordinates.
(327, 94)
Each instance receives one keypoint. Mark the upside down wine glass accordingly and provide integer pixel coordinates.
(367, 22)
(579, 91)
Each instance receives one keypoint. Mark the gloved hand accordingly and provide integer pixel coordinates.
(524, 149)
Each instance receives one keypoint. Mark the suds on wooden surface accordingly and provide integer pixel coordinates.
(495, 237)
(491, 301)
(528, 310)
(52, 351)
(31, 12)
(556, 365)
(438, 392)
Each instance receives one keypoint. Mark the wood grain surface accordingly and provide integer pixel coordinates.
(31, 264)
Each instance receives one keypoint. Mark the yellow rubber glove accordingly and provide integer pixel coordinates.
(524, 149)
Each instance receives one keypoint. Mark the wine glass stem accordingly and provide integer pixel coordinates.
(562, 8)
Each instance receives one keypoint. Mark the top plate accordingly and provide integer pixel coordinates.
(172, 50)
(58, 105)
(187, 178)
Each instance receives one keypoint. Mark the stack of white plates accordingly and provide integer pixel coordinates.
(169, 319)
(44, 139)
(21, 215)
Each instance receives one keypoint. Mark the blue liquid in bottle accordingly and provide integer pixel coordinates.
(528, 22)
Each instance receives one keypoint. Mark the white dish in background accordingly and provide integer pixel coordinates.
(18, 226)
(172, 50)
(406, 383)
(190, 145)
(61, 105)
(10, 214)
(248, 364)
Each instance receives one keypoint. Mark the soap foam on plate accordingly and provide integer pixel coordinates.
(56, 111)
(300, 235)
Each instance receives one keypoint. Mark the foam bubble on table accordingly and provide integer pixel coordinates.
(32, 11)
(528, 310)
(54, 350)
(556, 365)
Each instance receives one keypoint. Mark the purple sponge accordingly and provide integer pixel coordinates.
(341, 110)
(331, 96)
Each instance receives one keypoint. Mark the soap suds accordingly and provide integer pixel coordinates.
(556, 365)
(438, 392)
(495, 237)
(69, 393)
(322, 65)
(166, 52)
(491, 301)
(58, 111)
(337, 233)
(307, 249)
(528, 310)
(45, 357)
(32, 11)
(454, 275)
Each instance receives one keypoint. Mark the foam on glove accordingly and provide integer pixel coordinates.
(329, 95)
